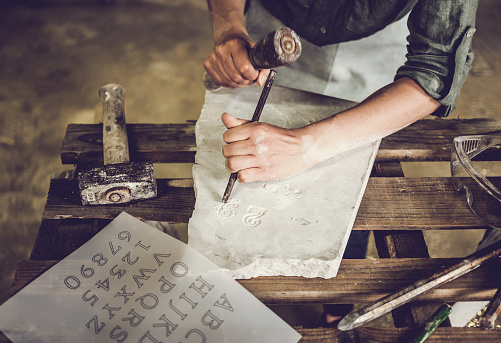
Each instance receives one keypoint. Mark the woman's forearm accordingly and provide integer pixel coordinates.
(227, 18)
(229, 64)
(388, 110)
(260, 151)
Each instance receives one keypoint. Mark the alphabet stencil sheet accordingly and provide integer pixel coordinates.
(298, 226)
(133, 283)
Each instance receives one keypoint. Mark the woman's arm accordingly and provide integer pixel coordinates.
(259, 151)
(228, 64)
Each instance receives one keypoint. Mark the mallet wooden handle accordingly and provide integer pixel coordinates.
(115, 142)
(278, 48)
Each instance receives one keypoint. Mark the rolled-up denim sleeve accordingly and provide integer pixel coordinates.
(440, 51)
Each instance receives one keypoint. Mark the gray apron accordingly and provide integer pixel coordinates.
(351, 70)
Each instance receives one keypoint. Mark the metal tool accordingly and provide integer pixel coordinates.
(488, 319)
(278, 48)
(372, 311)
(255, 117)
(119, 180)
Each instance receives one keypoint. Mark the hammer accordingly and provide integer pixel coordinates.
(119, 180)
(276, 49)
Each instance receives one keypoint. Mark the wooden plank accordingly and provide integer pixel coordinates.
(358, 281)
(425, 140)
(165, 143)
(404, 203)
(174, 203)
(57, 239)
(387, 335)
(388, 204)
(431, 140)
(394, 335)
(398, 243)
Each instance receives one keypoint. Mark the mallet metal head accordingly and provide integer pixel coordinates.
(117, 183)
(118, 180)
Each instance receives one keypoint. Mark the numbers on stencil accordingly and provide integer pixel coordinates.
(99, 259)
(124, 235)
(86, 272)
(72, 282)
(104, 284)
(254, 215)
(127, 259)
(92, 298)
(118, 273)
(113, 250)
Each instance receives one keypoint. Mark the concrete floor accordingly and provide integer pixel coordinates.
(55, 54)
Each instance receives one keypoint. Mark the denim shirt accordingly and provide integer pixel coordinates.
(439, 53)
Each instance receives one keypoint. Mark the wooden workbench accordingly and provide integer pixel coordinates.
(397, 208)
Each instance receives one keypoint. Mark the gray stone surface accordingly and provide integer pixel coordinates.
(297, 226)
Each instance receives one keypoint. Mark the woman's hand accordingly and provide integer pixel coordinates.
(261, 152)
(229, 64)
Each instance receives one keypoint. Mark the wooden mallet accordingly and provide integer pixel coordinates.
(118, 180)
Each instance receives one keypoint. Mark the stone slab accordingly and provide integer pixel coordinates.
(298, 226)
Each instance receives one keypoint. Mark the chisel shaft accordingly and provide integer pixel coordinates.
(257, 114)
(390, 302)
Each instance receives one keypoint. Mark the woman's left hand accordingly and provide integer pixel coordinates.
(261, 152)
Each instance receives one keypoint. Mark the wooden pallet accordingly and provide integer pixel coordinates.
(397, 208)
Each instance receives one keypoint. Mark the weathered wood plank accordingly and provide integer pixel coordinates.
(394, 335)
(431, 140)
(158, 143)
(388, 335)
(398, 244)
(57, 239)
(173, 203)
(425, 140)
(403, 203)
(388, 204)
(358, 281)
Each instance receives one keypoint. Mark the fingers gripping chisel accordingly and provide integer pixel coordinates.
(276, 49)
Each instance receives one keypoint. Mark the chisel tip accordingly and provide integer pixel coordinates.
(229, 187)
(349, 322)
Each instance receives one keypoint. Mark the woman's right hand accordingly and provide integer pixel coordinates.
(229, 64)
